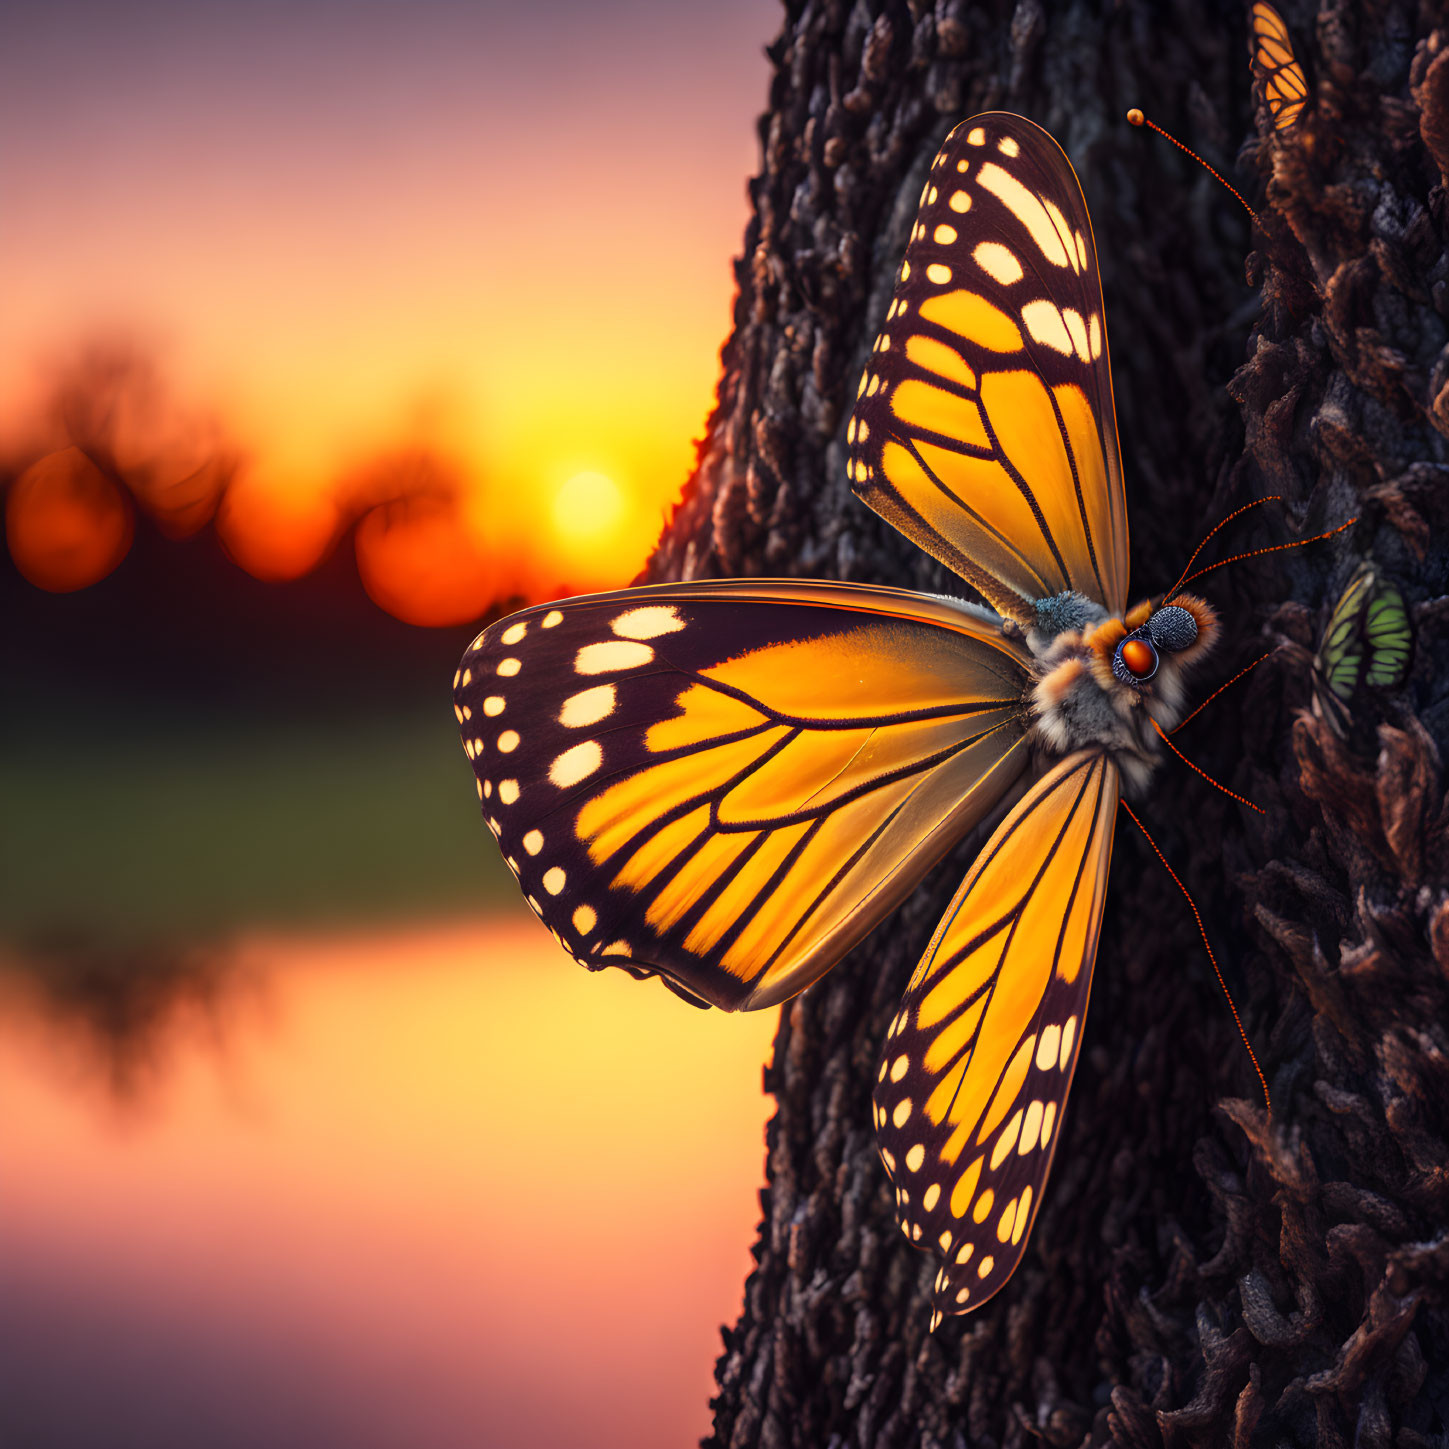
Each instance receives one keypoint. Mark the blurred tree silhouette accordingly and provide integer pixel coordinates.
(1197, 1275)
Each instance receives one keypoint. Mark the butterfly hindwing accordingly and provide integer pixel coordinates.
(984, 428)
(729, 783)
(1276, 68)
(977, 1064)
(1388, 638)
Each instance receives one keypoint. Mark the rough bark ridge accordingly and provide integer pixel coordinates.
(1197, 1275)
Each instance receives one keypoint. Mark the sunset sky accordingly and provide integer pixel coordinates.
(445, 283)
(498, 233)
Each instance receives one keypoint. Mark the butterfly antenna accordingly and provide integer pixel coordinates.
(1207, 538)
(1222, 687)
(1258, 552)
(1201, 930)
(1204, 773)
(1136, 118)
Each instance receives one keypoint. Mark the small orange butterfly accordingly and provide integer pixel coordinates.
(728, 784)
(1285, 88)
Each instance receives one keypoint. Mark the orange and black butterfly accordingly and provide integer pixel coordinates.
(1285, 88)
(727, 784)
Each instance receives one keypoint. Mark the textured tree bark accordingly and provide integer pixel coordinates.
(1198, 1274)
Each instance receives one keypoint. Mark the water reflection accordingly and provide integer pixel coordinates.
(112, 1010)
(437, 1189)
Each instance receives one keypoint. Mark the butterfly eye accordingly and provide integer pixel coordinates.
(1136, 661)
(1172, 628)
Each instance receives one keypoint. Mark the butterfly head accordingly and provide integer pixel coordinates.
(1168, 631)
(1100, 683)
(1150, 652)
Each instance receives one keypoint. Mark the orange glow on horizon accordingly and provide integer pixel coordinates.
(363, 261)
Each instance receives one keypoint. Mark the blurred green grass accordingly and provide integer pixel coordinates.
(189, 830)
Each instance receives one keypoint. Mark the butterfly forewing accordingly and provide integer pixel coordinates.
(974, 1078)
(730, 783)
(984, 428)
(1340, 660)
(1274, 66)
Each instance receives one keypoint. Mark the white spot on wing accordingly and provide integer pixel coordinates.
(585, 920)
(493, 705)
(514, 633)
(1030, 1128)
(533, 842)
(552, 618)
(1008, 147)
(507, 667)
(1030, 210)
(1078, 329)
(554, 880)
(1045, 324)
(998, 262)
(587, 707)
(508, 741)
(1069, 1037)
(608, 657)
(508, 791)
(576, 764)
(1023, 1215)
(1046, 1048)
(648, 623)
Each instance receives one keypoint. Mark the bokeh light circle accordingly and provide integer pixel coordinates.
(67, 525)
(418, 561)
(276, 529)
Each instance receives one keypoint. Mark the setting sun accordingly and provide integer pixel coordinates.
(587, 509)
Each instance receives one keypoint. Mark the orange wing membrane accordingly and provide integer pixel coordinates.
(729, 783)
(984, 427)
(1285, 88)
(977, 1065)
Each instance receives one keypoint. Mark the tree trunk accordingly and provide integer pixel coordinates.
(1197, 1275)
